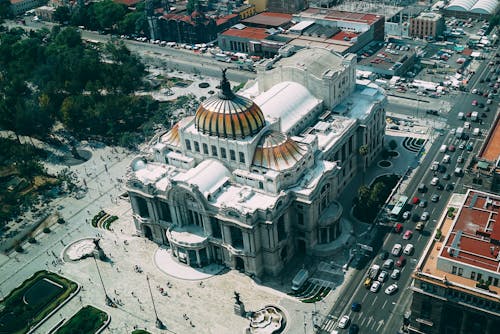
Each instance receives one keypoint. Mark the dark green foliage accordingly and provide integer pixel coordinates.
(86, 321)
(62, 14)
(370, 199)
(18, 316)
(46, 230)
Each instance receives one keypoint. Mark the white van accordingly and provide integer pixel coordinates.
(443, 149)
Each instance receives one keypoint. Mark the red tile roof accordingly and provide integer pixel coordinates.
(224, 19)
(476, 233)
(491, 151)
(248, 32)
(345, 16)
(343, 34)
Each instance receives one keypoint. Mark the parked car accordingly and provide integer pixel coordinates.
(415, 200)
(382, 277)
(398, 227)
(406, 215)
(446, 176)
(388, 264)
(356, 307)
(423, 203)
(354, 329)
(434, 181)
(449, 187)
(420, 226)
(407, 235)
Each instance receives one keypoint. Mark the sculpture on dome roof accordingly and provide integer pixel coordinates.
(225, 87)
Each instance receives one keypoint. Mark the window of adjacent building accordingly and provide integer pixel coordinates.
(473, 275)
(236, 237)
(214, 150)
(479, 276)
(216, 228)
(165, 212)
(142, 206)
(300, 218)
(261, 185)
(232, 155)
(223, 153)
(460, 271)
(242, 157)
(281, 228)
(205, 148)
(454, 270)
(196, 146)
(188, 144)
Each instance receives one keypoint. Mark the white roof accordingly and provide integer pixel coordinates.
(209, 175)
(301, 26)
(485, 6)
(475, 6)
(288, 101)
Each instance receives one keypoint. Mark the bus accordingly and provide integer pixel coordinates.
(399, 206)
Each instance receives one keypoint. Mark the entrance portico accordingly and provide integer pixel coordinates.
(189, 245)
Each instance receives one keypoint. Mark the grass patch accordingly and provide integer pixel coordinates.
(86, 321)
(33, 300)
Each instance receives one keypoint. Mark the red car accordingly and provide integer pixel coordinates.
(401, 261)
(415, 200)
(398, 228)
(474, 102)
(451, 148)
(407, 235)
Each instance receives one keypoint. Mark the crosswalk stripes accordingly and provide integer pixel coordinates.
(329, 324)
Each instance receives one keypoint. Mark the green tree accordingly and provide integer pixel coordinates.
(108, 13)
(62, 15)
(5, 10)
(392, 144)
(363, 152)
(192, 5)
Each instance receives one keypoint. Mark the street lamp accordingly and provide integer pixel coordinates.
(159, 323)
(108, 300)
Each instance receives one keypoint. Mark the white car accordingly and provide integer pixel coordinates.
(434, 181)
(396, 249)
(408, 249)
(375, 286)
(382, 277)
(406, 215)
(395, 274)
(344, 321)
(391, 289)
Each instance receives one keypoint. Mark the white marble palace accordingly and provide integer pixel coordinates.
(252, 178)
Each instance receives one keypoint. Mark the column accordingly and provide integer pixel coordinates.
(198, 258)
(463, 325)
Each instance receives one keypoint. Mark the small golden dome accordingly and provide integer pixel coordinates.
(277, 151)
(228, 115)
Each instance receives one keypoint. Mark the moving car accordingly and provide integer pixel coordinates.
(406, 215)
(401, 261)
(344, 321)
(398, 228)
(424, 216)
(375, 286)
(408, 249)
(407, 235)
(391, 289)
(396, 250)
(434, 181)
(356, 307)
(423, 203)
(395, 274)
(435, 198)
(420, 226)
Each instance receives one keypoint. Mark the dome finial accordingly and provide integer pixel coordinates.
(225, 87)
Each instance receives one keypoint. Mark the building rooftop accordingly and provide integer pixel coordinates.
(360, 103)
(127, 2)
(474, 238)
(247, 32)
(337, 15)
(386, 58)
(491, 151)
(269, 19)
(465, 242)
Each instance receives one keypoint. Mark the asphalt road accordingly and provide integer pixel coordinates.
(381, 313)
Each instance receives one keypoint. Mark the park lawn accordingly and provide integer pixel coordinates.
(86, 321)
(32, 301)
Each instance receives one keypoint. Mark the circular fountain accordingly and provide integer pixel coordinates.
(268, 320)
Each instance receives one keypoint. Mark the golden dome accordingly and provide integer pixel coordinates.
(277, 151)
(228, 115)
